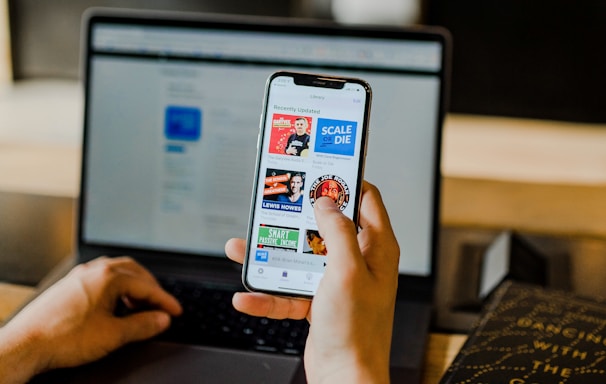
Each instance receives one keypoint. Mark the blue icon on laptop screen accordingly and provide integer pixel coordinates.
(262, 256)
(183, 123)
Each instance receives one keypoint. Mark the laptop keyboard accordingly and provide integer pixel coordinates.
(209, 319)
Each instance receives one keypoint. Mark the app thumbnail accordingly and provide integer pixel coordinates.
(290, 134)
(332, 186)
(272, 237)
(336, 136)
(283, 190)
(314, 243)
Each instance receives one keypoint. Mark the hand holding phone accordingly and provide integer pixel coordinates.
(312, 143)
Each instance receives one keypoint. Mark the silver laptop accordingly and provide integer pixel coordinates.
(172, 105)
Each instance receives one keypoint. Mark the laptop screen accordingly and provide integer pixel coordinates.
(172, 118)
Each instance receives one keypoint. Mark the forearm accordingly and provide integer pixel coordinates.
(19, 356)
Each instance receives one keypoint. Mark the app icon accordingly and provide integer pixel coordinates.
(183, 123)
(336, 137)
(261, 256)
(332, 186)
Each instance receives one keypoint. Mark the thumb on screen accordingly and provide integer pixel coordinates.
(338, 231)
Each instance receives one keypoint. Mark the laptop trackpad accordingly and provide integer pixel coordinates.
(164, 362)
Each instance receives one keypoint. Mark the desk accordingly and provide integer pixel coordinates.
(12, 297)
(442, 348)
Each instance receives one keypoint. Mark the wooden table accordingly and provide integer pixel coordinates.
(12, 297)
(441, 350)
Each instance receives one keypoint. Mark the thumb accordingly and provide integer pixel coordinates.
(339, 233)
(143, 325)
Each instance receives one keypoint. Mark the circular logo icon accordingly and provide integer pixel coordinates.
(332, 186)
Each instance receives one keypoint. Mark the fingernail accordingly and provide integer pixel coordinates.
(326, 203)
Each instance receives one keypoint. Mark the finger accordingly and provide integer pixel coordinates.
(147, 293)
(273, 307)
(235, 249)
(372, 210)
(143, 325)
(375, 224)
(339, 233)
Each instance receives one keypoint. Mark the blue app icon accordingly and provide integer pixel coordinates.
(183, 123)
(262, 256)
(336, 136)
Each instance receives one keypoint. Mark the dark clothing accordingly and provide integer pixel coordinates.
(298, 142)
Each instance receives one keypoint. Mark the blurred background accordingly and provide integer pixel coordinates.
(541, 59)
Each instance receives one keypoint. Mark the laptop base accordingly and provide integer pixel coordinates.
(165, 362)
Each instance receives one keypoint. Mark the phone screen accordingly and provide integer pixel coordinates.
(311, 144)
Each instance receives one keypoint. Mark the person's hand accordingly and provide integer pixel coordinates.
(74, 321)
(350, 330)
(291, 150)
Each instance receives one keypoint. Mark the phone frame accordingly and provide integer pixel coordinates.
(311, 80)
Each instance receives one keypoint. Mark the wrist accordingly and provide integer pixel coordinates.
(373, 370)
(357, 375)
(20, 355)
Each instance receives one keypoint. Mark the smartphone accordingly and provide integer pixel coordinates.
(312, 143)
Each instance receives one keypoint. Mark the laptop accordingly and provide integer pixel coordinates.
(172, 105)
